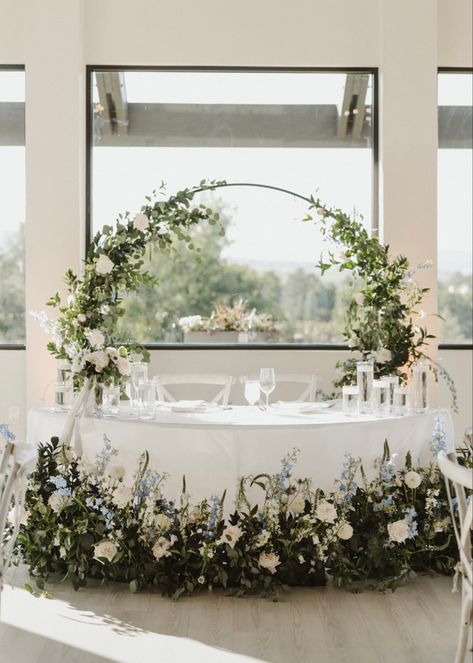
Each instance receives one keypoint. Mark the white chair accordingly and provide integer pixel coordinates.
(310, 382)
(222, 397)
(461, 478)
(16, 462)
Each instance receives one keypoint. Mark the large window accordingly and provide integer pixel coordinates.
(12, 206)
(308, 132)
(455, 211)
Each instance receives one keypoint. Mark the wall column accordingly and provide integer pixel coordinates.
(55, 158)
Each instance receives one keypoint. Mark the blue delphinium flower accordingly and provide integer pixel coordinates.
(213, 517)
(347, 486)
(6, 433)
(102, 459)
(59, 481)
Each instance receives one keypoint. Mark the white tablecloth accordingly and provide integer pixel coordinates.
(214, 450)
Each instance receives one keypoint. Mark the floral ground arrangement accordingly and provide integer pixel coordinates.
(82, 521)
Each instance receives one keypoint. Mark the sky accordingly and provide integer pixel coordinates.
(265, 226)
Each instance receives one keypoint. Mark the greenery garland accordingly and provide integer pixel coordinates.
(84, 521)
(380, 317)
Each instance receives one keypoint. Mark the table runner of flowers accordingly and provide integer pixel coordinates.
(83, 521)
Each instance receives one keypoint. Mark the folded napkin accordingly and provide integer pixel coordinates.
(187, 406)
(302, 406)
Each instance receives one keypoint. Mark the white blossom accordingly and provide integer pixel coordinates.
(95, 337)
(141, 222)
(122, 496)
(383, 355)
(297, 505)
(99, 359)
(326, 512)
(398, 531)
(269, 561)
(230, 535)
(104, 265)
(412, 479)
(105, 549)
(359, 298)
(345, 531)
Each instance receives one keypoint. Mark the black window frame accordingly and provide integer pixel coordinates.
(14, 67)
(452, 70)
(90, 69)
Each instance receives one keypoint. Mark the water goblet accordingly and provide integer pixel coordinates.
(252, 391)
(267, 382)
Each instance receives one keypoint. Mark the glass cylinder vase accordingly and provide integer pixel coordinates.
(420, 387)
(364, 380)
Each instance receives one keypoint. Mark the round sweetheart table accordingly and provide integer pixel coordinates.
(214, 449)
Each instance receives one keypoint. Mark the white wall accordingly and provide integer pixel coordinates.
(56, 39)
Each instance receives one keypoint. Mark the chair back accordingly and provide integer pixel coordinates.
(224, 381)
(459, 479)
(16, 462)
(310, 382)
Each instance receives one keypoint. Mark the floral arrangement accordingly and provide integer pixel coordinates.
(84, 332)
(382, 317)
(83, 520)
(235, 317)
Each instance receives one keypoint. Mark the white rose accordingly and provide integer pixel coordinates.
(122, 496)
(162, 522)
(269, 561)
(123, 366)
(412, 479)
(98, 359)
(326, 512)
(140, 222)
(162, 546)
(262, 539)
(105, 549)
(297, 505)
(96, 338)
(81, 317)
(104, 265)
(117, 472)
(398, 531)
(113, 354)
(359, 298)
(194, 516)
(345, 532)
(383, 355)
(230, 535)
(56, 502)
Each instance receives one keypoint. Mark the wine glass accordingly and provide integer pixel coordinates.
(267, 382)
(138, 374)
(252, 391)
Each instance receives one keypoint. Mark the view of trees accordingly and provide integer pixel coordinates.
(309, 307)
(12, 289)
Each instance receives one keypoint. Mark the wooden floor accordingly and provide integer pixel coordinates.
(416, 624)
